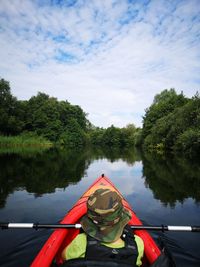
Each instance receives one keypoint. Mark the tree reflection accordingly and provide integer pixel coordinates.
(41, 173)
(171, 179)
(113, 154)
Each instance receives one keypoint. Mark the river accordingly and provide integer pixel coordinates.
(42, 187)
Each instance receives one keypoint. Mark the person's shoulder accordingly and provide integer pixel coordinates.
(138, 239)
(76, 249)
(80, 237)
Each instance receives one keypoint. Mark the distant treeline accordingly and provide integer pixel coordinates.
(56, 121)
(171, 123)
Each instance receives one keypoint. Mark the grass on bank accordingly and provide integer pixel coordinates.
(24, 140)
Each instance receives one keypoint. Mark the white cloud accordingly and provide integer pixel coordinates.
(109, 57)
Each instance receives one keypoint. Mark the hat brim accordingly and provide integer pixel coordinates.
(106, 234)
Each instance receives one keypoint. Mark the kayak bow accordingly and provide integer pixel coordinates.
(60, 238)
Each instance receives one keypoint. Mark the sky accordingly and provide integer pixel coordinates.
(109, 57)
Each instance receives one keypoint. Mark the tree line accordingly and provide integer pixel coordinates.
(58, 121)
(171, 123)
(42, 115)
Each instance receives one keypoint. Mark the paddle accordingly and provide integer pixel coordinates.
(77, 226)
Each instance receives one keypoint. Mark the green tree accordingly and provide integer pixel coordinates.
(43, 116)
(96, 135)
(10, 123)
(164, 103)
(73, 135)
(59, 121)
(177, 130)
(188, 143)
(128, 135)
(112, 136)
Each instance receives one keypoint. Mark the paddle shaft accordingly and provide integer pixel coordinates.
(77, 226)
(167, 228)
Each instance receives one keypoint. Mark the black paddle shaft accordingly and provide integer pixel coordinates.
(77, 225)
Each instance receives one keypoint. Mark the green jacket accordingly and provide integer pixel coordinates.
(77, 248)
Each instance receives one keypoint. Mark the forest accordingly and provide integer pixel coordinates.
(171, 123)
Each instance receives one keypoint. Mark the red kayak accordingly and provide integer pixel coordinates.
(60, 238)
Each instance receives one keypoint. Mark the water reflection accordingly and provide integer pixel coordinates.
(114, 153)
(170, 179)
(41, 173)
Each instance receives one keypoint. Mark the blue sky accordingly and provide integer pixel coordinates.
(109, 57)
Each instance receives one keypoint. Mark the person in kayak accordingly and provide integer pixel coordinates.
(107, 236)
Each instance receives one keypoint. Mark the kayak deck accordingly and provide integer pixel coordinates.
(60, 238)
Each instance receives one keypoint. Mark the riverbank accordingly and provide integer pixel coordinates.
(23, 142)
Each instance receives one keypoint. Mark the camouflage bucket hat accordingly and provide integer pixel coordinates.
(106, 216)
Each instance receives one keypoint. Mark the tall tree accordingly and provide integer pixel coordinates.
(164, 103)
(10, 122)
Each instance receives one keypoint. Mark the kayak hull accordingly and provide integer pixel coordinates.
(60, 238)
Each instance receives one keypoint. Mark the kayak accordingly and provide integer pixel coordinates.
(50, 253)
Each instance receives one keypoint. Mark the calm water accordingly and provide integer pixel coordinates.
(41, 187)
